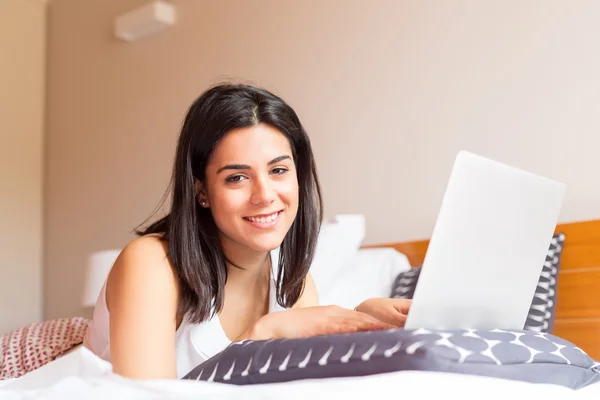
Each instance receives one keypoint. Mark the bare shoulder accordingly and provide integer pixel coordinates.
(143, 266)
(146, 248)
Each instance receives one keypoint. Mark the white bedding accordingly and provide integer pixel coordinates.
(369, 273)
(82, 375)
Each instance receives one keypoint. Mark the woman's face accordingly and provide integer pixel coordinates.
(251, 188)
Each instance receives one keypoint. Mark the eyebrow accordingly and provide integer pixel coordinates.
(243, 166)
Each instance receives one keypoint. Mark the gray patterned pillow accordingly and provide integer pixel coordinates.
(519, 355)
(543, 306)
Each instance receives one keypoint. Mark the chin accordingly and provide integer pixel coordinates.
(265, 244)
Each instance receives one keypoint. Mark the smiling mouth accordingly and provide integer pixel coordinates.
(265, 219)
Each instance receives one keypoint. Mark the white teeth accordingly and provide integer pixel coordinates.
(264, 220)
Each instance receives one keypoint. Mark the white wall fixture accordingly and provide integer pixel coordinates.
(144, 21)
(98, 267)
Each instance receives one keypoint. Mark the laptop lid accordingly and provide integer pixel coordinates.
(487, 248)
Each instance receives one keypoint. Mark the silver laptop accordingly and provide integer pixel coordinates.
(487, 248)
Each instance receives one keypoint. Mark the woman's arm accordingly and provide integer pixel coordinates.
(387, 310)
(307, 318)
(142, 300)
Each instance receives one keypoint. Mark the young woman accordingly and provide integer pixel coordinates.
(231, 259)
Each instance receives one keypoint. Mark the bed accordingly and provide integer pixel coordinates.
(578, 293)
(80, 374)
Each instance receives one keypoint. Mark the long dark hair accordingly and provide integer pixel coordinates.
(190, 230)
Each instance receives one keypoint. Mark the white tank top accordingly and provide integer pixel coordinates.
(194, 343)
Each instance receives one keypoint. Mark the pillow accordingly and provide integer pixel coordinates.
(339, 240)
(518, 355)
(370, 273)
(405, 284)
(35, 345)
(543, 306)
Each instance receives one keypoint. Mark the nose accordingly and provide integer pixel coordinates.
(262, 192)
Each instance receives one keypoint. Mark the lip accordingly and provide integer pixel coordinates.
(265, 225)
(263, 215)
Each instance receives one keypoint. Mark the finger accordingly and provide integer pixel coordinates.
(376, 323)
(379, 326)
(351, 327)
(348, 327)
(382, 326)
(362, 322)
(400, 320)
(393, 317)
(365, 321)
(402, 305)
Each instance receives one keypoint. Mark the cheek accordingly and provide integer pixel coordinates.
(289, 194)
(226, 204)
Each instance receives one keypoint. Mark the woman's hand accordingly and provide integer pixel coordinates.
(391, 311)
(313, 321)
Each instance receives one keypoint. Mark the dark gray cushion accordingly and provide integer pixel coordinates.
(543, 306)
(519, 355)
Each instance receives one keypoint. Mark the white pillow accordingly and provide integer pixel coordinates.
(370, 273)
(338, 242)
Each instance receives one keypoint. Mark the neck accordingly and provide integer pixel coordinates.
(244, 263)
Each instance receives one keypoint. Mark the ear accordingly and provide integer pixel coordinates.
(201, 194)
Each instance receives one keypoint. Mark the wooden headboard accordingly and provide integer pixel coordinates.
(578, 293)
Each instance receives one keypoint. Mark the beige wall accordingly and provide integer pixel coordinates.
(22, 72)
(389, 91)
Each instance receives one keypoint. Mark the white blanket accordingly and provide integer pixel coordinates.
(82, 375)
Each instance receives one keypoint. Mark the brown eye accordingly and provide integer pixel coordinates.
(234, 178)
(279, 170)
